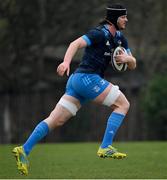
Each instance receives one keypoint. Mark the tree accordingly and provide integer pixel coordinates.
(154, 103)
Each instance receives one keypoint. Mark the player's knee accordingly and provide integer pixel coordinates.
(126, 106)
(123, 104)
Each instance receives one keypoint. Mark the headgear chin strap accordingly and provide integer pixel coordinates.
(114, 12)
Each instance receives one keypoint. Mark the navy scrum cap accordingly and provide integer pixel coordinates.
(114, 11)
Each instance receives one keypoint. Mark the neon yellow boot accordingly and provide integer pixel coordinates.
(21, 160)
(110, 152)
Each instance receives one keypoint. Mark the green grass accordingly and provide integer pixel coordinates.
(146, 160)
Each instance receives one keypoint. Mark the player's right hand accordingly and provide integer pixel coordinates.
(62, 68)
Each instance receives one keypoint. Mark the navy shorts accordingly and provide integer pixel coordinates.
(85, 87)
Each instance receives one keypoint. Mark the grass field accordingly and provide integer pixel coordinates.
(146, 160)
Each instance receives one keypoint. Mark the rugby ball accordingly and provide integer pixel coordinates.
(121, 66)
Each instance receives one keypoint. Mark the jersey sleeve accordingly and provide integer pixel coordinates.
(93, 37)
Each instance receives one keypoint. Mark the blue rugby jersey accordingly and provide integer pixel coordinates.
(100, 46)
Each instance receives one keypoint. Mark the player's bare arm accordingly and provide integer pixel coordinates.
(71, 51)
(131, 62)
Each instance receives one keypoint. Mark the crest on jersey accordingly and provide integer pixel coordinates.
(108, 43)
